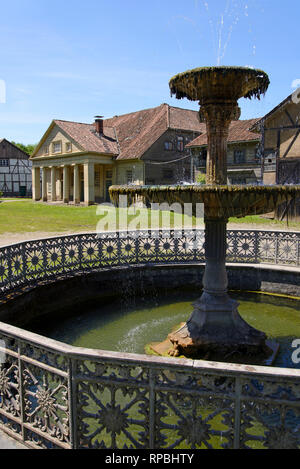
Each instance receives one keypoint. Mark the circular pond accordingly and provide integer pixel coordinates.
(129, 324)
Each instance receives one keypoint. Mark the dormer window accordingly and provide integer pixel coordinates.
(239, 156)
(68, 147)
(168, 146)
(46, 150)
(56, 147)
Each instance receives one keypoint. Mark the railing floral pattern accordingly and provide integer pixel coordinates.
(28, 263)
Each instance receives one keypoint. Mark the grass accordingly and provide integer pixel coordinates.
(24, 215)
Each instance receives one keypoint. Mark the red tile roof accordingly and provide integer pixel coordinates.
(238, 132)
(138, 131)
(129, 136)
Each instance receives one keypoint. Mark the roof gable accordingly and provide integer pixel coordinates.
(83, 136)
(18, 152)
(270, 115)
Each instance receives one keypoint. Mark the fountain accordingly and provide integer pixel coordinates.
(215, 328)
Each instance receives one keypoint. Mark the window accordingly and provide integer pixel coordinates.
(46, 150)
(68, 147)
(129, 177)
(97, 179)
(109, 174)
(4, 163)
(167, 174)
(180, 144)
(239, 156)
(56, 147)
(168, 146)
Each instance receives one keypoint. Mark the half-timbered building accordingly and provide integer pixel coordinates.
(15, 171)
(280, 142)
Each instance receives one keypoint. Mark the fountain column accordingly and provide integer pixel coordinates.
(215, 324)
(218, 117)
(215, 277)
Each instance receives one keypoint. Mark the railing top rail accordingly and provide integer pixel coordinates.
(177, 364)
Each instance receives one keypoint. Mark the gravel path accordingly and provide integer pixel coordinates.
(12, 238)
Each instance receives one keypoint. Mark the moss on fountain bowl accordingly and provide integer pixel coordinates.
(219, 201)
(212, 84)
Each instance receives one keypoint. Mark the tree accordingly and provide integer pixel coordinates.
(201, 178)
(29, 149)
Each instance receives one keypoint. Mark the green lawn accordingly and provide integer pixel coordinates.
(24, 215)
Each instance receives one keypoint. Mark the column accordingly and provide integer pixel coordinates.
(218, 118)
(215, 279)
(66, 184)
(53, 184)
(89, 183)
(76, 185)
(36, 184)
(59, 194)
(44, 185)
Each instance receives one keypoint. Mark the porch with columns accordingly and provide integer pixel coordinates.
(75, 183)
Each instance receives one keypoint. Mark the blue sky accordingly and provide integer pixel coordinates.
(76, 59)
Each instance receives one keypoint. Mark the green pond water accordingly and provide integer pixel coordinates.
(129, 324)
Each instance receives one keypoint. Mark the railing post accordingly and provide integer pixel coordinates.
(151, 409)
(256, 246)
(237, 414)
(72, 389)
(21, 391)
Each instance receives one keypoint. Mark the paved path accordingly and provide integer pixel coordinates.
(9, 443)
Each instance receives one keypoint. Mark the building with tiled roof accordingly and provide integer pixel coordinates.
(244, 165)
(80, 161)
(15, 170)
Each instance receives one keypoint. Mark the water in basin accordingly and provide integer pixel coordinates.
(128, 326)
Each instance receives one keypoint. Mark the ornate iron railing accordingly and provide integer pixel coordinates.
(53, 395)
(25, 264)
(57, 396)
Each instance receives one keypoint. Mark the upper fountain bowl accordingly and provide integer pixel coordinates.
(219, 84)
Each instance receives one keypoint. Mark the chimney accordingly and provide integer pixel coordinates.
(99, 125)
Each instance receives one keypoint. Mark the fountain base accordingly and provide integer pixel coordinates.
(217, 332)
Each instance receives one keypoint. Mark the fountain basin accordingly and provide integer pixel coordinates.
(219, 201)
